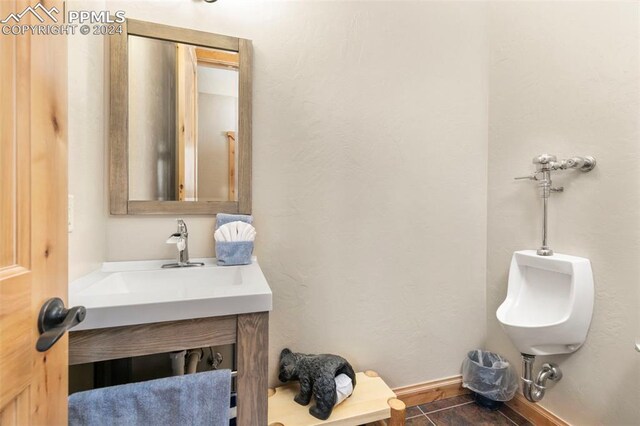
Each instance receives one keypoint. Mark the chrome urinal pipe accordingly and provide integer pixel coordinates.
(545, 191)
(534, 390)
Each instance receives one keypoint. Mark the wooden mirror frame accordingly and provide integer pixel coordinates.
(119, 203)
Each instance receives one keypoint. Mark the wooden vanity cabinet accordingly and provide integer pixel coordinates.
(250, 332)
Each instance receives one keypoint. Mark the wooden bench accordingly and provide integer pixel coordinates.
(372, 401)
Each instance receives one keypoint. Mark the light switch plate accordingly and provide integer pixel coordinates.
(70, 215)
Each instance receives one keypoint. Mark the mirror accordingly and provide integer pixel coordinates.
(180, 135)
(183, 121)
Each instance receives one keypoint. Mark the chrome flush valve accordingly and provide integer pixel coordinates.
(545, 164)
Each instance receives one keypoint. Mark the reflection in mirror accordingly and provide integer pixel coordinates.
(183, 122)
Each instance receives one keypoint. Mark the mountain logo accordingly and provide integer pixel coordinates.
(43, 11)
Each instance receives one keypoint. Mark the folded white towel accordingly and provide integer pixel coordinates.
(227, 232)
(243, 230)
(235, 231)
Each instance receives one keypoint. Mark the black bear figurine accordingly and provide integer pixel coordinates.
(316, 374)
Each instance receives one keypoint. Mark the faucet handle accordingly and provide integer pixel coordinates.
(182, 226)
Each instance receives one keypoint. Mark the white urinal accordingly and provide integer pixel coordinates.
(549, 303)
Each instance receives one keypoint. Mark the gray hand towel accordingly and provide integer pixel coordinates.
(224, 218)
(193, 399)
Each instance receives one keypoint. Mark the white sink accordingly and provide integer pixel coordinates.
(128, 293)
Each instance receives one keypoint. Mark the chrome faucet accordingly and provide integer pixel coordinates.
(181, 239)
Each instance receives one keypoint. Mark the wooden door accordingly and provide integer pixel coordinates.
(33, 227)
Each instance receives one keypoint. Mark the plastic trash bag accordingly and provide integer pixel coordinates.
(489, 375)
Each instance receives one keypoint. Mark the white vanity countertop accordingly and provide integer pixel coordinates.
(141, 292)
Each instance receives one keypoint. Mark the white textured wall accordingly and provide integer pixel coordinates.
(564, 80)
(369, 175)
(87, 150)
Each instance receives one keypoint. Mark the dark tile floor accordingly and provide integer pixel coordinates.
(462, 411)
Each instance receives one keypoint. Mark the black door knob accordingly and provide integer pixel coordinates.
(54, 320)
